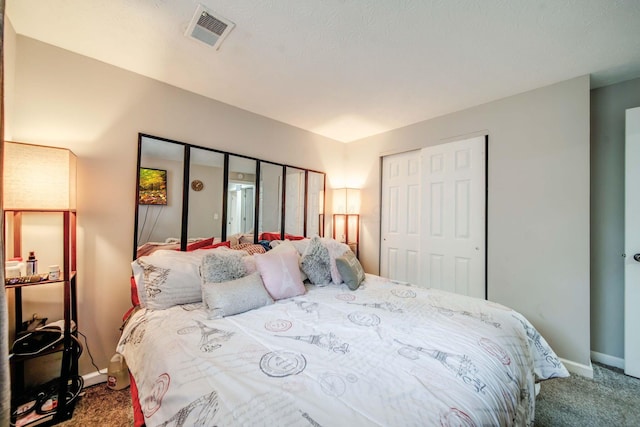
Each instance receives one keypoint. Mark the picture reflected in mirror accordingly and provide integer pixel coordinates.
(153, 187)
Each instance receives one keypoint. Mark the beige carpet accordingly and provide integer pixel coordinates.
(101, 406)
(609, 399)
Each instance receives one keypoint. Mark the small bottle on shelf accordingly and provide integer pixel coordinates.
(32, 264)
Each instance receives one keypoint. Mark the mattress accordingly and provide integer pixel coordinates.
(387, 354)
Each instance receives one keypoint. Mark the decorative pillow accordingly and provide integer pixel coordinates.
(226, 244)
(336, 249)
(350, 269)
(249, 248)
(280, 272)
(249, 264)
(167, 278)
(288, 236)
(269, 236)
(200, 244)
(235, 296)
(223, 265)
(301, 245)
(284, 246)
(316, 262)
(288, 245)
(245, 238)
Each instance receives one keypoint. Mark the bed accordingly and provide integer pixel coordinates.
(375, 352)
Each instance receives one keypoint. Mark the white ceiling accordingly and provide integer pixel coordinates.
(347, 69)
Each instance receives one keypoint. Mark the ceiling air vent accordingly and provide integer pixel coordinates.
(208, 28)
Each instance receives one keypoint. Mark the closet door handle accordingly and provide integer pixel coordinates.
(637, 257)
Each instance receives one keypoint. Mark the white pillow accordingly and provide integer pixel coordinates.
(235, 296)
(300, 245)
(336, 250)
(167, 278)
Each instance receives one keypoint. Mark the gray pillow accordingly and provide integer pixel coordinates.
(316, 263)
(235, 296)
(222, 266)
(350, 269)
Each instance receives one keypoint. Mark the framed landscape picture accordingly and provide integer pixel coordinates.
(153, 187)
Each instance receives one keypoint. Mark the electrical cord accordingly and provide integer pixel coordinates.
(86, 343)
(144, 222)
(155, 222)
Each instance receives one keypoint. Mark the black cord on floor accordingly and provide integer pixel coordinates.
(86, 344)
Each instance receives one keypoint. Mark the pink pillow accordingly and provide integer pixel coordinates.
(280, 273)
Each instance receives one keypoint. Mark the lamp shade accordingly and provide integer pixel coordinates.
(346, 201)
(38, 177)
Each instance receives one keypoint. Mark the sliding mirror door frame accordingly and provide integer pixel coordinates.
(184, 181)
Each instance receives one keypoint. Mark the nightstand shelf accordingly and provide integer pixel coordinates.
(346, 228)
(69, 346)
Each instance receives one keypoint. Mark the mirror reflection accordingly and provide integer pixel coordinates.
(294, 201)
(241, 195)
(270, 198)
(159, 191)
(206, 186)
(197, 202)
(315, 203)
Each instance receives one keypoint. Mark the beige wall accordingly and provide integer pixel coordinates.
(538, 231)
(96, 110)
(538, 202)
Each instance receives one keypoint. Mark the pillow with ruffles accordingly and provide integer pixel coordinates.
(222, 265)
(350, 270)
(234, 296)
(316, 262)
(168, 278)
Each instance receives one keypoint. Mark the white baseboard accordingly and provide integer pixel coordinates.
(95, 377)
(605, 359)
(578, 368)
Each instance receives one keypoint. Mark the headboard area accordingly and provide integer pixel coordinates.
(188, 196)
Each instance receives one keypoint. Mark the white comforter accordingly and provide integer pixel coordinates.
(388, 354)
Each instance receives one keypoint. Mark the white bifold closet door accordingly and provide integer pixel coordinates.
(434, 217)
(400, 217)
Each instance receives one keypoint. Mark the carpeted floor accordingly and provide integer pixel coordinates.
(101, 406)
(609, 399)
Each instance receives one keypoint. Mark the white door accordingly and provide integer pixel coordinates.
(233, 221)
(632, 244)
(248, 209)
(400, 217)
(454, 217)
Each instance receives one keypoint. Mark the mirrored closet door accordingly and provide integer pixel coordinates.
(188, 196)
